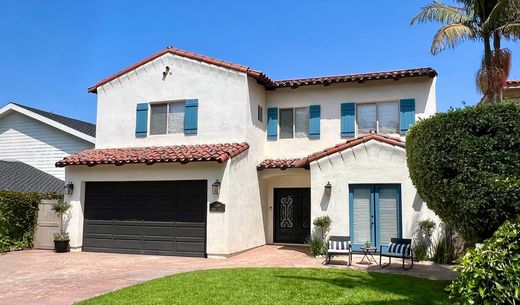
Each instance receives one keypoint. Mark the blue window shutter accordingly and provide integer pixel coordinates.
(348, 119)
(191, 115)
(407, 114)
(272, 123)
(314, 121)
(141, 120)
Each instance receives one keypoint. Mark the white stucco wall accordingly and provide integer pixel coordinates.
(30, 141)
(274, 178)
(221, 93)
(331, 97)
(370, 163)
(217, 223)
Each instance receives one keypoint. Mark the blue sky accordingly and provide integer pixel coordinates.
(52, 51)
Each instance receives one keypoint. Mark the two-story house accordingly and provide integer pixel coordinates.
(200, 157)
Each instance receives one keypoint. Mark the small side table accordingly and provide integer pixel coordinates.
(369, 254)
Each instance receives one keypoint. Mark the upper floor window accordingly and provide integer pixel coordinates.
(294, 123)
(167, 118)
(382, 118)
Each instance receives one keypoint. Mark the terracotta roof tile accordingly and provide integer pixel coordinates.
(155, 154)
(264, 80)
(513, 82)
(277, 163)
(305, 162)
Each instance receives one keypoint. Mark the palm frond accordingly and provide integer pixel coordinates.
(442, 13)
(510, 30)
(505, 11)
(450, 35)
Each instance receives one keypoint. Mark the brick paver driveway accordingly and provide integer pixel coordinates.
(44, 277)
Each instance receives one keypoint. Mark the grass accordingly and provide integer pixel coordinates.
(259, 286)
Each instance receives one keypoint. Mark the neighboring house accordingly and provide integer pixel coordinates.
(31, 140)
(177, 125)
(512, 90)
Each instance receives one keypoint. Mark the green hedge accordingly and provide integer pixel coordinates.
(18, 216)
(465, 164)
(490, 274)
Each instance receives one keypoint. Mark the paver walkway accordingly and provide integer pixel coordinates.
(44, 277)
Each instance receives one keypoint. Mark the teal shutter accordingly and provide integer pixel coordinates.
(141, 120)
(314, 121)
(191, 115)
(272, 123)
(407, 114)
(348, 120)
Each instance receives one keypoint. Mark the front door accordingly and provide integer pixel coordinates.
(292, 215)
(375, 214)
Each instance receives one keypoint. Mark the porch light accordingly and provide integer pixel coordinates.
(328, 188)
(215, 187)
(68, 188)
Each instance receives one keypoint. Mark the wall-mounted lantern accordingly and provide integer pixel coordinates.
(215, 187)
(68, 188)
(328, 188)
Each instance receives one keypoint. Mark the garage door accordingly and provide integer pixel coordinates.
(159, 217)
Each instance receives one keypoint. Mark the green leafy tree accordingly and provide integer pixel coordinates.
(465, 164)
(490, 273)
(479, 20)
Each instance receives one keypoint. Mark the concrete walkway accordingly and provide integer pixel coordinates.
(44, 277)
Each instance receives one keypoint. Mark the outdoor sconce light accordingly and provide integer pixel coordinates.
(216, 187)
(68, 188)
(328, 188)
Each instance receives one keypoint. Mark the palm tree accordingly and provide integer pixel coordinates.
(479, 20)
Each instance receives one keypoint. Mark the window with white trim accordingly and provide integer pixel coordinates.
(382, 118)
(294, 123)
(167, 118)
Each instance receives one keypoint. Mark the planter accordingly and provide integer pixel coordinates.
(61, 246)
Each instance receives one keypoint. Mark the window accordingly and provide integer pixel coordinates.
(294, 123)
(382, 118)
(260, 113)
(167, 118)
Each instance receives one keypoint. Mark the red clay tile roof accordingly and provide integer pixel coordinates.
(513, 82)
(360, 78)
(259, 76)
(264, 80)
(305, 162)
(155, 154)
(277, 163)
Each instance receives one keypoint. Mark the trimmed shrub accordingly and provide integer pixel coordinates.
(490, 273)
(18, 216)
(465, 164)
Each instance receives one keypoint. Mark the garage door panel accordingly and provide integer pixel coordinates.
(166, 217)
(186, 246)
(98, 241)
(187, 231)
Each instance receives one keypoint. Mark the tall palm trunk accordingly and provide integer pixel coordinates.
(488, 68)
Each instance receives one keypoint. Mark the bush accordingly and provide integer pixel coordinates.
(465, 164)
(18, 216)
(317, 245)
(443, 252)
(423, 239)
(490, 273)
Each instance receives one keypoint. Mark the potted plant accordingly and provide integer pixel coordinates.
(61, 239)
(368, 244)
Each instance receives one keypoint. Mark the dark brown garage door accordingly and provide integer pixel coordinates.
(159, 217)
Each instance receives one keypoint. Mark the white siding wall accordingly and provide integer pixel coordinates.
(37, 144)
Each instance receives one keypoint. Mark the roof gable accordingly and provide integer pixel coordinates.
(264, 80)
(306, 161)
(78, 128)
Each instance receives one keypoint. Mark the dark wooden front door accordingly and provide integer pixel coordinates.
(292, 215)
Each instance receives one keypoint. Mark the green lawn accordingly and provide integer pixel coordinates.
(279, 286)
